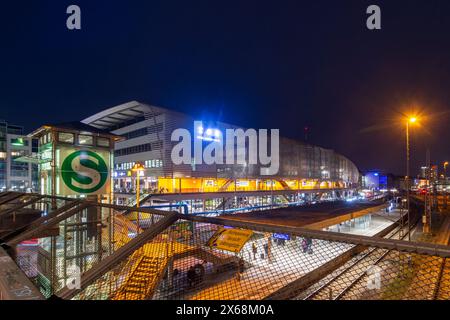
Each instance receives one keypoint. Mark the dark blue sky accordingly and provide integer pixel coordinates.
(260, 64)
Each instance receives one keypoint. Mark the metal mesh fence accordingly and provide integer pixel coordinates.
(178, 264)
(379, 274)
(182, 262)
(76, 244)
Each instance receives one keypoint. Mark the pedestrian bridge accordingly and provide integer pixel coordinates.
(116, 259)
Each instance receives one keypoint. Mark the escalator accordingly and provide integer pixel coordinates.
(285, 187)
(225, 185)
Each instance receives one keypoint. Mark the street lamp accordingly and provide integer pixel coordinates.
(410, 121)
(138, 168)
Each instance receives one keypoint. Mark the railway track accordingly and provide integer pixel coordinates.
(338, 286)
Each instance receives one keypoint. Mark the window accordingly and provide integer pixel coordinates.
(143, 131)
(46, 139)
(85, 140)
(135, 134)
(19, 142)
(34, 145)
(66, 137)
(49, 137)
(153, 163)
(103, 142)
(138, 149)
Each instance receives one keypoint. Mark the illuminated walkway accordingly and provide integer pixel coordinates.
(288, 262)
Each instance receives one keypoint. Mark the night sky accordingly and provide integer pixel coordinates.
(259, 64)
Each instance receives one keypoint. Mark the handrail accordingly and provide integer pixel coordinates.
(120, 255)
(415, 247)
(42, 227)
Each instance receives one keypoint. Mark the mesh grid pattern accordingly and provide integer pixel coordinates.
(84, 239)
(178, 264)
(162, 269)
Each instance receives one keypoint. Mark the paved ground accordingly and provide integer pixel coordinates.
(288, 263)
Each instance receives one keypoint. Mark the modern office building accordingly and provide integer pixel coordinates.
(376, 180)
(14, 174)
(147, 132)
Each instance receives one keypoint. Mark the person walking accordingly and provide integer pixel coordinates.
(266, 249)
(191, 276)
(254, 250)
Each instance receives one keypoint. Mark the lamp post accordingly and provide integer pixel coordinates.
(445, 183)
(138, 168)
(411, 120)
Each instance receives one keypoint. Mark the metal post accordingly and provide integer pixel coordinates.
(53, 168)
(269, 249)
(445, 185)
(407, 179)
(271, 194)
(138, 191)
(427, 218)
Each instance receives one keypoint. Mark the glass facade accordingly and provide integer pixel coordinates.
(16, 173)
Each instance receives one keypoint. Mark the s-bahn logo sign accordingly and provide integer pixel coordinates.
(84, 172)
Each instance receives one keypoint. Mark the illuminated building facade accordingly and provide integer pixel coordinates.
(16, 175)
(147, 134)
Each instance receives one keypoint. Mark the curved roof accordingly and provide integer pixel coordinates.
(111, 118)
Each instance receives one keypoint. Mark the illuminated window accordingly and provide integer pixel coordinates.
(153, 163)
(103, 142)
(85, 140)
(48, 137)
(19, 142)
(66, 137)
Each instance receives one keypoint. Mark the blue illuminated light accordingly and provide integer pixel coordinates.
(208, 138)
(282, 236)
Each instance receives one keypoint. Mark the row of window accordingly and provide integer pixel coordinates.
(4, 129)
(82, 139)
(155, 163)
(143, 131)
(139, 149)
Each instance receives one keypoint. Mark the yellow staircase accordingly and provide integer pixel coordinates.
(143, 280)
(147, 266)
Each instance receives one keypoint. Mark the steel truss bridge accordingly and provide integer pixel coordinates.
(54, 247)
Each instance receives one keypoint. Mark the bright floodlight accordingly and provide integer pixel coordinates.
(412, 119)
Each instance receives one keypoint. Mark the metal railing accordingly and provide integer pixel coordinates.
(299, 264)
